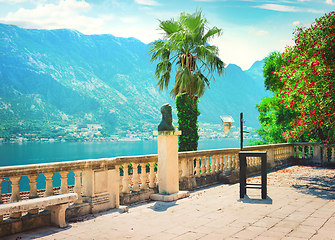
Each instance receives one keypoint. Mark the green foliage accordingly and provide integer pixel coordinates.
(107, 131)
(187, 122)
(302, 79)
(273, 117)
(308, 81)
(273, 63)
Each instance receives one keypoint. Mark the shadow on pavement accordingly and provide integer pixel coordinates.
(247, 199)
(322, 187)
(163, 206)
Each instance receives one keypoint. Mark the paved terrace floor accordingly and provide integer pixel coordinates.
(300, 205)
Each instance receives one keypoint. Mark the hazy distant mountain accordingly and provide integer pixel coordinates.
(232, 94)
(64, 75)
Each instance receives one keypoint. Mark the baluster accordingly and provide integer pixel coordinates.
(1, 180)
(213, 166)
(152, 175)
(63, 182)
(15, 194)
(224, 163)
(303, 152)
(237, 163)
(143, 177)
(325, 154)
(332, 159)
(309, 151)
(49, 191)
(203, 167)
(77, 186)
(197, 167)
(1, 202)
(231, 162)
(208, 165)
(135, 178)
(234, 161)
(33, 188)
(217, 158)
(15, 189)
(184, 167)
(180, 171)
(33, 192)
(220, 164)
(125, 181)
(119, 179)
(297, 151)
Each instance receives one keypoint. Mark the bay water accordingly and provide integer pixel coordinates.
(12, 154)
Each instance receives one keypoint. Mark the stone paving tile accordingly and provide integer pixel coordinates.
(286, 223)
(277, 232)
(314, 223)
(325, 233)
(212, 236)
(190, 235)
(266, 238)
(246, 234)
(330, 222)
(227, 231)
(292, 238)
(322, 214)
(205, 229)
(267, 222)
(178, 230)
(162, 236)
(300, 234)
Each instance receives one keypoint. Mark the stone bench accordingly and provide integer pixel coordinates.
(57, 204)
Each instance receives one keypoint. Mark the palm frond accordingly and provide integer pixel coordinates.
(185, 44)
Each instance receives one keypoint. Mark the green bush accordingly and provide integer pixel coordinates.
(187, 122)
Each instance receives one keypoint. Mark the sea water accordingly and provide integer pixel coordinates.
(12, 154)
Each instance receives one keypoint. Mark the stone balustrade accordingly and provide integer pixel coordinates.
(328, 155)
(106, 183)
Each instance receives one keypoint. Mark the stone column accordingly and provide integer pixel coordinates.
(168, 169)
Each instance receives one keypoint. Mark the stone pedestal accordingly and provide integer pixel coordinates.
(168, 169)
(100, 189)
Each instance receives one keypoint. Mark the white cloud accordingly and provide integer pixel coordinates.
(285, 8)
(330, 2)
(128, 19)
(278, 7)
(147, 2)
(296, 23)
(15, 1)
(261, 32)
(67, 14)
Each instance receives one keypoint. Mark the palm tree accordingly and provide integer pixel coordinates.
(185, 43)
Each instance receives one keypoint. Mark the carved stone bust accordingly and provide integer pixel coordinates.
(166, 123)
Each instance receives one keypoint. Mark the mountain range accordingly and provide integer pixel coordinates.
(66, 76)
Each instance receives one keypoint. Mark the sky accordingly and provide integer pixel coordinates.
(251, 28)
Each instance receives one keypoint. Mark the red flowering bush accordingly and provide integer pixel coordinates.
(308, 81)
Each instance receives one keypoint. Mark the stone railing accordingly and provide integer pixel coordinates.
(102, 184)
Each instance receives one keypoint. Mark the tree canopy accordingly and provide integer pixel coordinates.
(185, 44)
(308, 80)
(302, 78)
